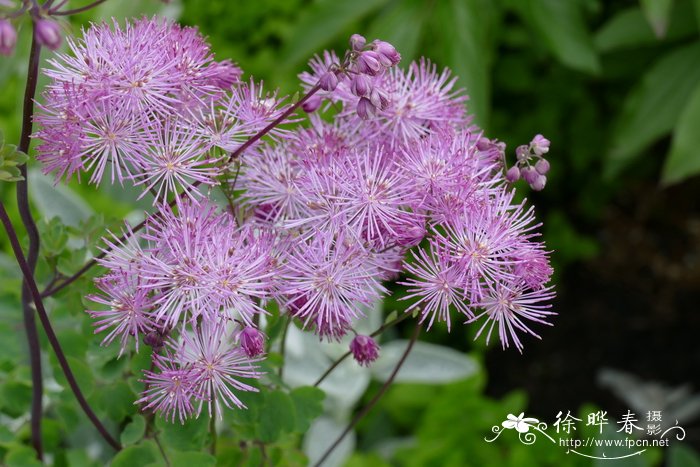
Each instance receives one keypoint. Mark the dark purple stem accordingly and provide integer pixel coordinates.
(50, 334)
(365, 410)
(76, 10)
(33, 252)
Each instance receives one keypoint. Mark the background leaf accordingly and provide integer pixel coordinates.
(427, 363)
(657, 13)
(683, 160)
(652, 108)
(561, 26)
(320, 24)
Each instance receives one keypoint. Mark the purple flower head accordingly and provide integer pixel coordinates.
(8, 37)
(510, 306)
(438, 286)
(327, 279)
(219, 367)
(252, 341)
(364, 349)
(170, 390)
(129, 312)
(48, 33)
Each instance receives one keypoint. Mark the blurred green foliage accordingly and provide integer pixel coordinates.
(614, 84)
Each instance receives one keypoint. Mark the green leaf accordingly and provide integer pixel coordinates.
(320, 24)
(141, 454)
(57, 201)
(276, 416)
(682, 456)
(657, 13)
(21, 456)
(400, 24)
(465, 28)
(308, 404)
(562, 27)
(683, 160)
(627, 28)
(652, 108)
(191, 459)
(81, 371)
(10, 159)
(190, 436)
(15, 398)
(134, 431)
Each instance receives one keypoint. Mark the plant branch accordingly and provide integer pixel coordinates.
(379, 330)
(283, 344)
(53, 340)
(74, 11)
(365, 410)
(33, 251)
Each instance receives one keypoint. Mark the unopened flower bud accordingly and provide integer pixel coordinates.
(48, 33)
(411, 236)
(365, 109)
(328, 81)
(513, 174)
(357, 42)
(542, 166)
(361, 85)
(312, 103)
(252, 341)
(529, 174)
(539, 183)
(522, 152)
(154, 339)
(379, 99)
(8, 37)
(364, 349)
(539, 145)
(368, 63)
(388, 56)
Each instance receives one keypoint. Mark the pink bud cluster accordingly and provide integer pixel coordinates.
(361, 65)
(396, 186)
(531, 165)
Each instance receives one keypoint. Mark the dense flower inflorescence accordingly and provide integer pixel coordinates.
(397, 186)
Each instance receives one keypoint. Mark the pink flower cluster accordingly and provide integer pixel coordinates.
(394, 185)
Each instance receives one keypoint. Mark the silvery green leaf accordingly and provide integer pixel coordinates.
(57, 201)
(427, 363)
(321, 436)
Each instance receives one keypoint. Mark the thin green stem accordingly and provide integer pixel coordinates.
(379, 330)
(366, 409)
(283, 344)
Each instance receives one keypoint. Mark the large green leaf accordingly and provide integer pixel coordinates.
(652, 108)
(465, 28)
(308, 404)
(562, 27)
(684, 159)
(276, 416)
(657, 13)
(141, 454)
(320, 24)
